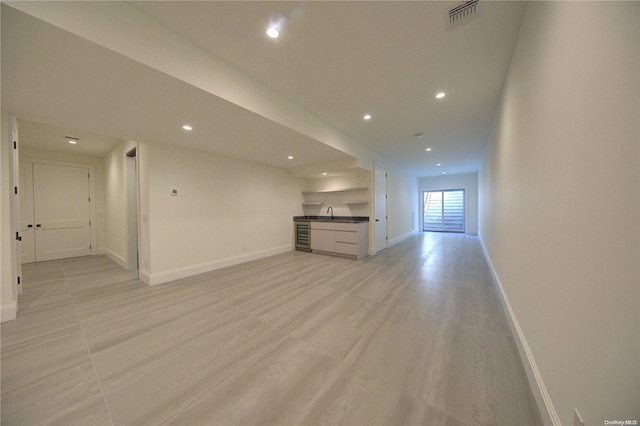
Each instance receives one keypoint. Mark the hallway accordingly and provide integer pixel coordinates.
(413, 335)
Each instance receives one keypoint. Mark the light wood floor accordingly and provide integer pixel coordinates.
(414, 335)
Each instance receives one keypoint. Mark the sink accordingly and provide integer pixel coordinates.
(338, 219)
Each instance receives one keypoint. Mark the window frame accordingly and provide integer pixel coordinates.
(464, 209)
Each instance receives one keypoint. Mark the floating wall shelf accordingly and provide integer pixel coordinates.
(359, 188)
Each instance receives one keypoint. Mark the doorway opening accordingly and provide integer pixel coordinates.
(443, 211)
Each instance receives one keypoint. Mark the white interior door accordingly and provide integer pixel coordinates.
(26, 222)
(381, 209)
(62, 211)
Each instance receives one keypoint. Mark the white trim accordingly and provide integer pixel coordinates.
(8, 312)
(144, 276)
(116, 258)
(177, 274)
(540, 393)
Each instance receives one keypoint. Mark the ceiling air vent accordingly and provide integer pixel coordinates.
(462, 14)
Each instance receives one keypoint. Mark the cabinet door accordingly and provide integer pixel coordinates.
(329, 241)
(347, 237)
(316, 239)
(347, 248)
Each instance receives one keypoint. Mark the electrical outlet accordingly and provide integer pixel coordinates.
(577, 418)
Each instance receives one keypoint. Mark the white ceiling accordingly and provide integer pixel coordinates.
(54, 138)
(338, 60)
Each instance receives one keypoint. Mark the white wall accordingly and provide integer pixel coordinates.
(116, 204)
(560, 208)
(227, 211)
(402, 204)
(357, 179)
(468, 182)
(144, 242)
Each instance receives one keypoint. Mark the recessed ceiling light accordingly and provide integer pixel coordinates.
(324, 174)
(418, 135)
(444, 173)
(273, 32)
(187, 127)
(367, 117)
(440, 95)
(71, 139)
(428, 149)
(290, 157)
(439, 164)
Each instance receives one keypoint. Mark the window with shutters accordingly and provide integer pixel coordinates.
(443, 211)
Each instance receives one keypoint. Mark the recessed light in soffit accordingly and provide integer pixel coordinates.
(273, 32)
(72, 140)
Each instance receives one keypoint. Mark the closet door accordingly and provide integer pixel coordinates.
(26, 223)
(62, 212)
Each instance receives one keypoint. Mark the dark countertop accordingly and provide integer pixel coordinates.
(338, 219)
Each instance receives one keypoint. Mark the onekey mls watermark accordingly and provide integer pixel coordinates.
(621, 422)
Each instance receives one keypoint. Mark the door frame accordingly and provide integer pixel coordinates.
(132, 212)
(92, 193)
(378, 194)
(15, 201)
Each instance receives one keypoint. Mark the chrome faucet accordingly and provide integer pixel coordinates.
(330, 208)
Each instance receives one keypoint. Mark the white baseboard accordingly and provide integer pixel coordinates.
(545, 405)
(144, 276)
(8, 312)
(402, 238)
(116, 258)
(177, 274)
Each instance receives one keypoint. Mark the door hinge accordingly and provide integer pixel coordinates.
(18, 237)
(18, 280)
(89, 199)
(15, 189)
(15, 145)
(89, 223)
(89, 246)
